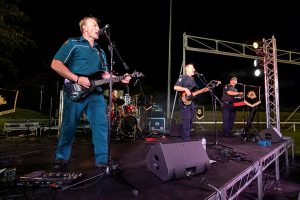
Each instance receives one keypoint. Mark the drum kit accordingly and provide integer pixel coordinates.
(125, 118)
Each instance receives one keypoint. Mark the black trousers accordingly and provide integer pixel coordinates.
(228, 115)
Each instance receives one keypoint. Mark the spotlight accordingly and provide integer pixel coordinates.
(255, 45)
(258, 47)
(257, 72)
(258, 62)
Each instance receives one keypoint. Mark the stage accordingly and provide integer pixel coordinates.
(242, 170)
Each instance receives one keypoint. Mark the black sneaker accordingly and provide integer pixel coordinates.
(60, 165)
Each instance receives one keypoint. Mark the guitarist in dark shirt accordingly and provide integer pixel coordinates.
(76, 61)
(184, 85)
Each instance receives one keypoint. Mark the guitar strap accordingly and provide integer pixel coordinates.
(102, 60)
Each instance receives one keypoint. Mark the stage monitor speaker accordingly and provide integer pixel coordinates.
(270, 134)
(174, 160)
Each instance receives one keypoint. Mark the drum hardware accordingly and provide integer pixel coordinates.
(119, 101)
(126, 118)
(126, 127)
(130, 110)
(127, 99)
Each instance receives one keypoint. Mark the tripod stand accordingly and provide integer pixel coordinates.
(211, 85)
(112, 169)
(214, 103)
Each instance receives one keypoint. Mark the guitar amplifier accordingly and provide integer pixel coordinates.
(157, 124)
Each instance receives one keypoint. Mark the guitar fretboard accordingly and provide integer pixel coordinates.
(104, 81)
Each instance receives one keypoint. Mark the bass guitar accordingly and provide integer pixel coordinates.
(77, 92)
(187, 99)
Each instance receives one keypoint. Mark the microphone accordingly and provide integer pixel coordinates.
(198, 73)
(217, 82)
(240, 84)
(135, 82)
(104, 29)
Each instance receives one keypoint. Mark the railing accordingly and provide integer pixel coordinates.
(220, 122)
(28, 126)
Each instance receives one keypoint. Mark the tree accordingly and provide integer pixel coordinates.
(13, 39)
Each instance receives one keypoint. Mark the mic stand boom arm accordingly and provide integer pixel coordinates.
(112, 47)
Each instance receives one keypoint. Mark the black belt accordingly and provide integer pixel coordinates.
(227, 102)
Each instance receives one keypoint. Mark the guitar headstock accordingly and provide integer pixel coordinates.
(136, 74)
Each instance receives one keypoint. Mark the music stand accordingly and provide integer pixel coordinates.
(251, 99)
(112, 169)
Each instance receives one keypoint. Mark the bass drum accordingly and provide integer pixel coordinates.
(129, 126)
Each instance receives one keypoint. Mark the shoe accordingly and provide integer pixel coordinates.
(60, 165)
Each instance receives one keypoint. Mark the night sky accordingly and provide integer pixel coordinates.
(140, 31)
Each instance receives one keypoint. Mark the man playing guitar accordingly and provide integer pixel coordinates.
(185, 84)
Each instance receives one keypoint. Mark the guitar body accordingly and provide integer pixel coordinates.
(187, 100)
(78, 93)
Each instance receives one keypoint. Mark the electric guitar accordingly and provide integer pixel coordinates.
(187, 99)
(77, 92)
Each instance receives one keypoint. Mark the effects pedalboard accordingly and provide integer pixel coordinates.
(48, 179)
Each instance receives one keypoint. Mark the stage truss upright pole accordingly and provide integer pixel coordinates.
(271, 83)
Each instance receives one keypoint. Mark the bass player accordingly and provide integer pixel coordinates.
(184, 85)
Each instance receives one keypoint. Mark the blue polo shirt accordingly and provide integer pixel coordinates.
(78, 55)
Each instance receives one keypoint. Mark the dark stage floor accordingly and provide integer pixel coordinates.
(233, 157)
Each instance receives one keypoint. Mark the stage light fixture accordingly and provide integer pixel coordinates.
(255, 45)
(255, 62)
(257, 72)
(258, 62)
(258, 47)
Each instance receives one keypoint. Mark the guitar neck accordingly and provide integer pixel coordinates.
(104, 81)
(199, 91)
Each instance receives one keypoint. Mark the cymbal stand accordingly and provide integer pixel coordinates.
(147, 105)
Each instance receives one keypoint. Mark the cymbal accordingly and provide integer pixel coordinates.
(136, 96)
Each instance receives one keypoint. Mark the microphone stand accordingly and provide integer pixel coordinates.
(214, 103)
(214, 98)
(112, 168)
